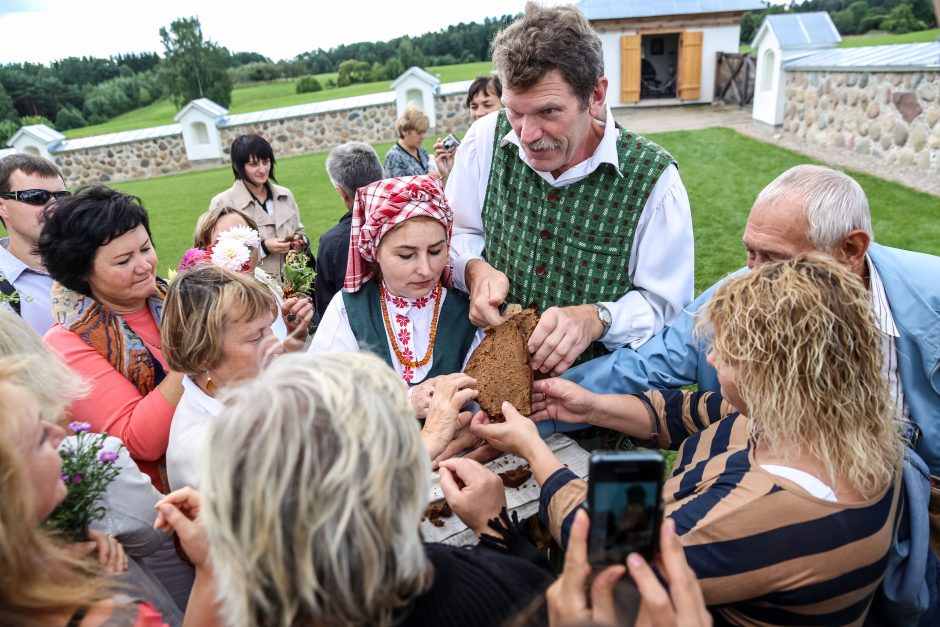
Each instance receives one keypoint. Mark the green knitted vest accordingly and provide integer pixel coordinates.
(454, 330)
(569, 245)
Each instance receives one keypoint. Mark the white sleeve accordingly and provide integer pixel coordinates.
(128, 502)
(466, 191)
(334, 333)
(662, 266)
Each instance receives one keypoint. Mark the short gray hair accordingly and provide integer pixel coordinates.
(315, 479)
(834, 203)
(550, 38)
(353, 165)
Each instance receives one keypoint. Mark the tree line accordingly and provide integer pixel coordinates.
(78, 91)
(853, 17)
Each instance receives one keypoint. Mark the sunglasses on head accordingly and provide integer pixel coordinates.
(35, 196)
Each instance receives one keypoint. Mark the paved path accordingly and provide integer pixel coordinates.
(694, 117)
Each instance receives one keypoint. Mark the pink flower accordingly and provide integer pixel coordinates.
(404, 336)
(79, 427)
(192, 258)
(108, 457)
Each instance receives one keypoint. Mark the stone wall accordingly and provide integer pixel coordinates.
(288, 136)
(892, 115)
(120, 162)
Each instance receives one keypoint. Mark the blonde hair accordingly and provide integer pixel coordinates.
(413, 119)
(53, 384)
(199, 305)
(315, 480)
(202, 236)
(806, 351)
(40, 577)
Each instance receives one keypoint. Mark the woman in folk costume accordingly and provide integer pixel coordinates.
(395, 302)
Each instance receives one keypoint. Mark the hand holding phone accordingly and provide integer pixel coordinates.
(625, 505)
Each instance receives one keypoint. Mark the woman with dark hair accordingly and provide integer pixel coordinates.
(107, 303)
(256, 193)
(483, 97)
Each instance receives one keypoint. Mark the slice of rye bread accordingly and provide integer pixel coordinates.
(501, 365)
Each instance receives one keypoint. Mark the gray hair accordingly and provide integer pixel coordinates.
(550, 38)
(353, 165)
(315, 479)
(834, 202)
(44, 375)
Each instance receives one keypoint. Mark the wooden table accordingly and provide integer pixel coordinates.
(523, 500)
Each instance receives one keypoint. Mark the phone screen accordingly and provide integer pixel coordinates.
(625, 507)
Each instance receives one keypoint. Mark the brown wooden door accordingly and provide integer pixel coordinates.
(630, 68)
(690, 65)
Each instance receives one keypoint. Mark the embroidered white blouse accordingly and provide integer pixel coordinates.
(410, 319)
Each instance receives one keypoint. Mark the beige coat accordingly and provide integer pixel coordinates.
(284, 222)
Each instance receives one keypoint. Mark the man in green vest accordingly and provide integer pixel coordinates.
(556, 207)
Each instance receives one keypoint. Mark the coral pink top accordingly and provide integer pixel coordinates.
(114, 404)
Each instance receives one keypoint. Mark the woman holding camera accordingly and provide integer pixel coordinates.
(256, 193)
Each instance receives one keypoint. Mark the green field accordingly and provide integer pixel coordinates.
(272, 95)
(884, 39)
(722, 170)
(872, 39)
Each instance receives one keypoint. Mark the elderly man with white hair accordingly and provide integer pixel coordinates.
(804, 209)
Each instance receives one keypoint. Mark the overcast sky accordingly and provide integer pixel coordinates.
(44, 30)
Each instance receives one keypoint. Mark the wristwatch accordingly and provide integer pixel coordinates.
(604, 316)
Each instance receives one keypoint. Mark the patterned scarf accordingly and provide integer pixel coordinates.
(107, 333)
(380, 207)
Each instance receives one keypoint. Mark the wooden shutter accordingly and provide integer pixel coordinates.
(690, 65)
(630, 68)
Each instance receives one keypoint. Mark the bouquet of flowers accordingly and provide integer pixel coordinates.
(298, 275)
(87, 471)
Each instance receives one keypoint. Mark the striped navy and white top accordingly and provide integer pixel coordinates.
(766, 552)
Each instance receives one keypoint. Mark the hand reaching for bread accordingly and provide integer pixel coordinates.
(451, 393)
(475, 493)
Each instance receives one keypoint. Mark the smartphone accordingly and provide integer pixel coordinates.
(451, 142)
(625, 504)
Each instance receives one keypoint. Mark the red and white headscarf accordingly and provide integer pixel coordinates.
(380, 207)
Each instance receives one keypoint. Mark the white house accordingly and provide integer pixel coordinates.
(779, 39)
(200, 120)
(417, 87)
(664, 51)
(36, 139)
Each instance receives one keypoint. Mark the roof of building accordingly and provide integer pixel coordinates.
(800, 30)
(118, 138)
(414, 70)
(625, 9)
(40, 131)
(204, 105)
(883, 58)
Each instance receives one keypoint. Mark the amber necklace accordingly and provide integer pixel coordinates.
(391, 334)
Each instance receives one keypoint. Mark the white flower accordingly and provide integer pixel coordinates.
(231, 254)
(244, 234)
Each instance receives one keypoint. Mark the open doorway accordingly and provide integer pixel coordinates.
(659, 65)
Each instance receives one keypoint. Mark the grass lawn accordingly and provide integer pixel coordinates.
(884, 39)
(722, 170)
(271, 95)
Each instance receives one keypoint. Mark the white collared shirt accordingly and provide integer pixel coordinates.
(33, 287)
(188, 431)
(662, 260)
(889, 331)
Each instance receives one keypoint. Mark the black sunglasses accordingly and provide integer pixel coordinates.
(35, 196)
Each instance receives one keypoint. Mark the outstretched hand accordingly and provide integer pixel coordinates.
(562, 400)
(179, 511)
(475, 493)
(517, 435)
